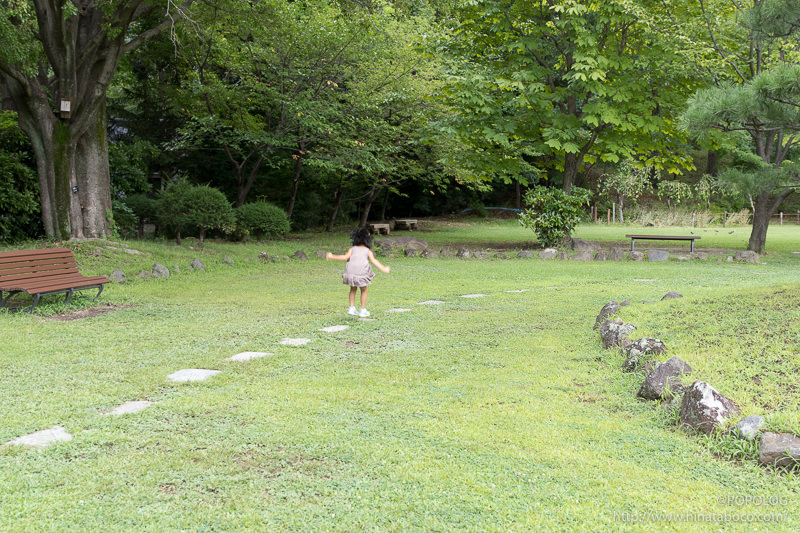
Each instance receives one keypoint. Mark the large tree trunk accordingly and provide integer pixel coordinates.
(572, 164)
(373, 193)
(298, 166)
(337, 203)
(765, 206)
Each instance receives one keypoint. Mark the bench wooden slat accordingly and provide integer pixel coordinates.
(664, 237)
(22, 255)
(54, 283)
(34, 270)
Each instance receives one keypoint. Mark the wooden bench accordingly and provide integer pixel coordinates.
(43, 272)
(382, 229)
(690, 238)
(406, 223)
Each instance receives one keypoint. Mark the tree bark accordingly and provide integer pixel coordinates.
(572, 164)
(298, 166)
(373, 193)
(337, 203)
(765, 206)
(711, 163)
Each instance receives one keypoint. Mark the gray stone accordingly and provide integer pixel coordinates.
(400, 243)
(319, 254)
(525, 254)
(247, 356)
(446, 252)
(579, 245)
(563, 256)
(699, 255)
(500, 255)
(42, 438)
(747, 256)
(749, 427)
(176, 269)
(610, 309)
(548, 253)
(410, 252)
(617, 253)
(602, 255)
(160, 271)
(637, 349)
(227, 260)
(664, 381)
(671, 295)
(118, 276)
(463, 253)
(636, 256)
(705, 409)
(480, 255)
(192, 374)
(583, 255)
(615, 332)
(654, 255)
(623, 303)
(683, 258)
(334, 329)
(429, 254)
(301, 255)
(128, 408)
(779, 449)
(398, 310)
(473, 295)
(729, 259)
(144, 274)
(294, 342)
(431, 302)
(198, 265)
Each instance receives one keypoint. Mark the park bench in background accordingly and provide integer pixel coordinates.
(406, 223)
(43, 272)
(382, 229)
(690, 238)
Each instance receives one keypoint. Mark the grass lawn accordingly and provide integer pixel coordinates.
(499, 413)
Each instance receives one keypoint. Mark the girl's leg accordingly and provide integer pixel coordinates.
(353, 296)
(363, 297)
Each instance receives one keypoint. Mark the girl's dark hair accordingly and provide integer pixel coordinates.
(361, 237)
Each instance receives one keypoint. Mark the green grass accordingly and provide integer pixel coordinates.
(500, 413)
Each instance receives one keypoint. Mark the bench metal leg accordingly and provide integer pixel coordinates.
(35, 301)
(632, 244)
(98, 292)
(69, 295)
(691, 246)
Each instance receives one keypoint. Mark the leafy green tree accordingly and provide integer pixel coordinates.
(627, 184)
(673, 192)
(206, 208)
(20, 217)
(553, 214)
(262, 219)
(172, 208)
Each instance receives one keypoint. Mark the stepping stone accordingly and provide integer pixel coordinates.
(192, 374)
(644, 280)
(366, 320)
(431, 302)
(334, 329)
(43, 438)
(130, 407)
(246, 356)
(294, 342)
(519, 290)
(473, 295)
(398, 310)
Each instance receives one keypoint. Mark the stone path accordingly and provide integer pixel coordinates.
(40, 439)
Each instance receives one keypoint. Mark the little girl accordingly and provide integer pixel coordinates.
(357, 272)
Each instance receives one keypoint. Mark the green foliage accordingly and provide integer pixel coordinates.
(129, 166)
(20, 215)
(624, 186)
(674, 192)
(262, 219)
(207, 209)
(171, 206)
(553, 214)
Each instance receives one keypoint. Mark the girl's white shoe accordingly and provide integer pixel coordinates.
(364, 313)
(352, 311)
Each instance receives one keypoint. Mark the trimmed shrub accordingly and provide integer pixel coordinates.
(207, 208)
(262, 219)
(144, 208)
(553, 214)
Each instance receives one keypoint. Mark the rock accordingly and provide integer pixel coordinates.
(525, 254)
(699, 255)
(617, 253)
(636, 256)
(410, 252)
(779, 449)
(748, 428)
(446, 252)
(747, 256)
(144, 274)
(601, 256)
(118, 276)
(401, 243)
(610, 309)
(429, 254)
(684, 258)
(227, 260)
(623, 303)
(579, 245)
(500, 255)
(664, 381)
(160, 271)
(584, 255)
(563, 256)
(654, 255)
(264, 256)
(672, 294)
(480, 255)
(301, 255)
(704, 409)
(729, 259)
(198, 265)
(42, 438)
(463, 253)
(548, 253)
(635, 350)
(319, 254)
(615, 332)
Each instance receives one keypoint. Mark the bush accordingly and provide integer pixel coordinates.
(170, 207)
(552, 214)
(262, 219)
(20, 213)
(144, 208)
(207, 209)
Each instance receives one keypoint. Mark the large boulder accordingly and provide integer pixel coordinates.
(665, 380)
(637, 349)
(610, 309)
(655, 254)
(583, 255)
(548, 253)
(615, 332)
(198, 265)
(118, 276)
(748, 428)
(401, 243)
(463, 253)
(617, 253)
(160, 271)
(779, 449)
(671, 295)
(563, 256)
(602, 255)
(579, 245)
(705, 409)
(525, 254)
(746, 256)
(636, 256)
(301, 255)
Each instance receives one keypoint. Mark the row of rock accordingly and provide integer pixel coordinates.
(702, 407)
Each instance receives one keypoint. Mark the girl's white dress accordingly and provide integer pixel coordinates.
(358, 272)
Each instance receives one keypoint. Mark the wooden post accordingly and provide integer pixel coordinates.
(692, 219)
(594, 213)
(608, 217)
(614, 213)
(781, 218)
(724, 218)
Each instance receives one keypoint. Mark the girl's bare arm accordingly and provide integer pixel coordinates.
(331, 257)
(378, 265)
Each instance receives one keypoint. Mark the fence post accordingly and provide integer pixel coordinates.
(724, 218)
(608, 217)
(781, 218)
(614, 213)
(692, 219)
